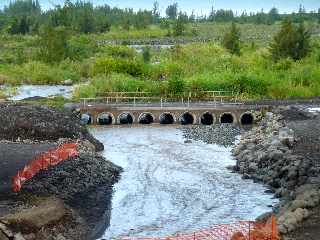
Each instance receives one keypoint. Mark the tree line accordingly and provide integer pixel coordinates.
(27, 17)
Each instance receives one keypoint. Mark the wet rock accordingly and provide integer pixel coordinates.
(30, 220)
(290, 220)
(68, 82)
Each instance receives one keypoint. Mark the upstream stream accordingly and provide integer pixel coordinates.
(169, 186)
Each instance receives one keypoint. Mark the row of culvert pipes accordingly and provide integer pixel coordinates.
(167, 118)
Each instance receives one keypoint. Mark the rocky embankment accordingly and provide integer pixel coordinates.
(69, 201)
(283, 152)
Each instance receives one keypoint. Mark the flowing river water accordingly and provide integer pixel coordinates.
(169, 186)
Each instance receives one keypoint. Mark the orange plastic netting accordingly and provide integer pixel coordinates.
(238, 231)
(43, 161)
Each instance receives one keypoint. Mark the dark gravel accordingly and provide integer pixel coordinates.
(41, 123)
(224, 134)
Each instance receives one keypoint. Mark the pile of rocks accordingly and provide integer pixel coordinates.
(266, 154)
(224, 134)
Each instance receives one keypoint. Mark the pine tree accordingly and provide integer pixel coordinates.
(303, 42)
(231, 40)
(179, 27)
(172, 11)
(291, 41)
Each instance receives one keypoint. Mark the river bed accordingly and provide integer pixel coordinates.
(169, 186)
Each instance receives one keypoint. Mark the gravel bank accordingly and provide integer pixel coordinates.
(224, 134)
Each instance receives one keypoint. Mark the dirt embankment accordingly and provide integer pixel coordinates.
(68, 201)
(284, 153)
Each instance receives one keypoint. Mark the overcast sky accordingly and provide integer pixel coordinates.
(202, 6)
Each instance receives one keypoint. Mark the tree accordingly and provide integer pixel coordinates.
(291, 41)
(86, 21)
(179, 26)
(19, 26)
(172, 11)
(273, 15)
(318, 15)
(156, 12)
(303, 42)
(231, 40)
(53, 44)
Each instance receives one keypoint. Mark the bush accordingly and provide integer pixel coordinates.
(115, 82)
(120, 51)
(146, 54)
(127, 66)
(251, 85)
(176, 85)
(40, 73)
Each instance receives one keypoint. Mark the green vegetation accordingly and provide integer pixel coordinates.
(262, 55)
(231, 40)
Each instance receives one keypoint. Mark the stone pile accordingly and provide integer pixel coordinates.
(266, 154)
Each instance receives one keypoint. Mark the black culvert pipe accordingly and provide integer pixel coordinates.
(187, 119)
(247, 119)
(207, 119)
(105, 119)
(227, 118)
(86, 119)
(125, 118)
(146, 118)
(166, 118)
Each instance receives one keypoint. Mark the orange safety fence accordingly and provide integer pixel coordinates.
(245, 230)
(43, 162)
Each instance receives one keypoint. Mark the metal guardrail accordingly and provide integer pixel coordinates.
(141, 98)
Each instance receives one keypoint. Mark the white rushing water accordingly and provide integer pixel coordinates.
(169, 186)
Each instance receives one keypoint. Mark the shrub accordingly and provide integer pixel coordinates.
(176, 85)
(127, 66)
(250, 84)
(146, 54)
(120, 51)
